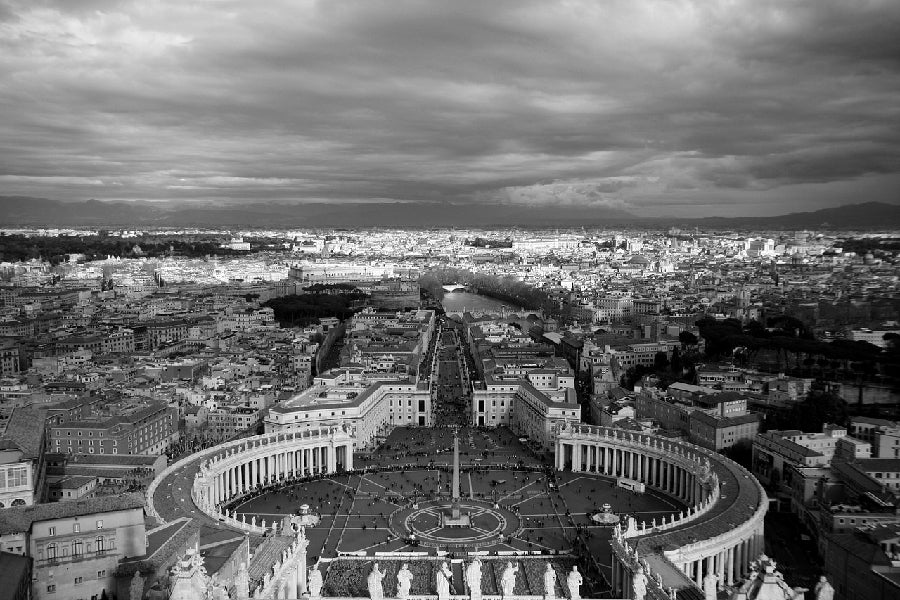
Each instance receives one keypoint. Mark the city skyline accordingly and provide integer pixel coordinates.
(653, 108)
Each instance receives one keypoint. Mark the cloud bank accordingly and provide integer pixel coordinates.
(660, 107)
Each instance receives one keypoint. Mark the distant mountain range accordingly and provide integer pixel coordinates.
(848, 216)
(26, 211)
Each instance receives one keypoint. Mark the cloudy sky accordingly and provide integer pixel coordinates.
(660, 107)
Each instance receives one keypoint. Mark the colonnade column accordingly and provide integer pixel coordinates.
(729, 567)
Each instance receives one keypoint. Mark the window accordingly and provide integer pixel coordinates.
(52, 531)
(77, 548)
(79, 580)
(101, 573)
(99, 541)
(51, 588)
(99, 523)
(51, 551)
(76, 528)
(18, 476)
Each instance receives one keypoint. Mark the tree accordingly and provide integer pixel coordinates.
(687, 339)
(741, 453)
(633, 375)
(676, 362)
(892, 339)
(660, 362)
(819, 407)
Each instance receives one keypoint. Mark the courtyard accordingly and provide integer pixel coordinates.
(395, 499)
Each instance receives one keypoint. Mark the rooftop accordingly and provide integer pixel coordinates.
(13, 568)
(25, 429)
(20, 519)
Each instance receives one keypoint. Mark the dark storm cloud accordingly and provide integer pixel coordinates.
(655, 106)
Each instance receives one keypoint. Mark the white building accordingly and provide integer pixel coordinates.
(531, 407)
(347, 397)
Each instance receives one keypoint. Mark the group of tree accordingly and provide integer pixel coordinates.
(681, 367)
(305, 309)
(790, 345)
(480, 242)
(57, 249)
(815, 410)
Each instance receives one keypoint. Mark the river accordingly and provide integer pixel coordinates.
(460, 301)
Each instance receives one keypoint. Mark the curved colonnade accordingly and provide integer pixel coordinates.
(223, 473)
(719, 533)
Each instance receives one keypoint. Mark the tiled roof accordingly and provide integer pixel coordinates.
(879, 464)
(25, 429)
(885, 532)
(741, 496)
(73, 482)
(266, 554)
(19, 519)
(114, 459)
(162, 543)
(722, 397)
(714, 421)
(859, 545)
(12, 568)
(217, 555)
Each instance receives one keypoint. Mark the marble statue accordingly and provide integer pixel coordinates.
(374, 583)
(549, 582)
(709, 586)
(314, 581)
(242, 581)
(639, 584)
(765, 581)
(473, 579)
(443, 576)
(404, 582)
(823, 589)
(216, 590)
(508, 579)
(136, 589)
(574, 581)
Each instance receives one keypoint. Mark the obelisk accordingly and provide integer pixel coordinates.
(455, 518)
(455, 490)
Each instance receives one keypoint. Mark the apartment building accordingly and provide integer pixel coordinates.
(76, 546)
(884, 435)
(774, 450)
(10, 363)
(133, 429)
(23, 446)
(532, 406)
(718, 433)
